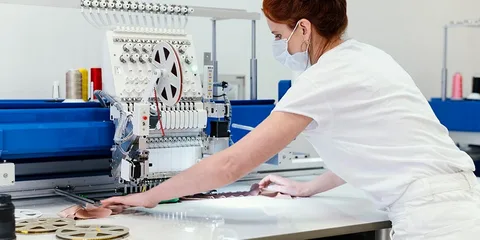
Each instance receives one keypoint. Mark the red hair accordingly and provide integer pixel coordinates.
(328, 17)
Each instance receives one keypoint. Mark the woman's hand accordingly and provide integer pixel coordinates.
(134, 200)
(286, 186)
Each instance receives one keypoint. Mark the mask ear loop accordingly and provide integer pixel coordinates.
(289, 37)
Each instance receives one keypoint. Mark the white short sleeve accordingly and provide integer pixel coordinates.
(306, 99)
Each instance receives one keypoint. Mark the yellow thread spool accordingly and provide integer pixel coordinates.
(85, 83)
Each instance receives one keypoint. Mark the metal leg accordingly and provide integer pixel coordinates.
(383, 234)
(253, 63)
(444, 69)
(214, 55)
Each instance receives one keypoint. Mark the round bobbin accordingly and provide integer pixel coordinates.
(42, 225)
(168, 76)
(92, 232)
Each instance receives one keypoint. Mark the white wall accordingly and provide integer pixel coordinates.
(40, 44)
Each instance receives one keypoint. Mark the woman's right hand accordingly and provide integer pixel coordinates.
(286, 186)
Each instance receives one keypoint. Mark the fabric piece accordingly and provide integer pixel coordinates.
(77, 212)
(254, 191)
(371, 125)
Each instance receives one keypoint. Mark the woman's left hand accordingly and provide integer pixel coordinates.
(133, 200)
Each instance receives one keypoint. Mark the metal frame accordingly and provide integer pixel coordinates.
(217, 13)
(453, 24)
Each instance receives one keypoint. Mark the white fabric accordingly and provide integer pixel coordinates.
(444, 207)
(371, 124)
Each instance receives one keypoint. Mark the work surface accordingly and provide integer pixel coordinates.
(340, 211)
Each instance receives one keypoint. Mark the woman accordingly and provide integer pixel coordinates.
(367, 120)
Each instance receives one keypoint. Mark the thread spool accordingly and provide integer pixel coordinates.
(85, 84)
(96, 75)
(457, 87)
(7, 218)
(73, 86)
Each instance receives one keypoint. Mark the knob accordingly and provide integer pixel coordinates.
(134, 58)
(103, 4)
(163, 8)
(147, 48)
(182, 49)
(126, 6)
(141, 6)
(127, 47)
(118, 5)
(134, 6)
(95, 3)
(138, 47)
(144, 58)
(111, 4)
(87, 3)
(177, 9)
(148, 7)
(124, 58)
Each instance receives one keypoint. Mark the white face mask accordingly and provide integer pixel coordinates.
(296, 62)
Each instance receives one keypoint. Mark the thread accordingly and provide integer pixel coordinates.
(457, 87)
(96, 75)
(73, 85)
(85, 84)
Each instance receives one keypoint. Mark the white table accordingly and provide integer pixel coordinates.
(341, 211)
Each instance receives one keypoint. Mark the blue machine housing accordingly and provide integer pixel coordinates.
(40, 129)
(457, 115)
(246, 112)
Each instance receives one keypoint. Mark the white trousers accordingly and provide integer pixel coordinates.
(445, 207)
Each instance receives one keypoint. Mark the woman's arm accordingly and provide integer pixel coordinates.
(227, 166)
(320, 184)
(323, 183)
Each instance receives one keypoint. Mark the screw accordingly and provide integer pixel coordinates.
(5, 175)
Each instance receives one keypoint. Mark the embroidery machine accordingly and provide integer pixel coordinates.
(157, 114)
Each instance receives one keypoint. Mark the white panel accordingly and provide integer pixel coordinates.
(7, 174)
(168, 122)
(190, 119)
(177, 119)
(182, 119)
(141, 116)
(202, 119)
(195, 119)
(125, 168)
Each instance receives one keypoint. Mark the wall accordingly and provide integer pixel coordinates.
(39, 44)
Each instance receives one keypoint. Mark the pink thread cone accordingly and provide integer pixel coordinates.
(457, 87)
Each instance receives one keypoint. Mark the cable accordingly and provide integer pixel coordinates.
(158, 111)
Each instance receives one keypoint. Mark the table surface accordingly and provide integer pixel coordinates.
(340, 211)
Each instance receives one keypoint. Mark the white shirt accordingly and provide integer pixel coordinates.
(371, 124)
